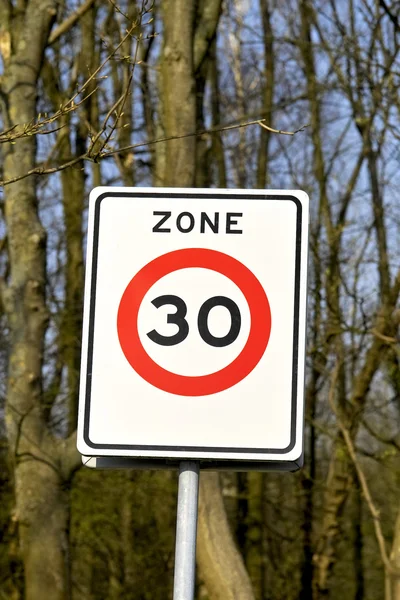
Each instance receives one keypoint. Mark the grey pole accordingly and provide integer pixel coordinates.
(186, 529)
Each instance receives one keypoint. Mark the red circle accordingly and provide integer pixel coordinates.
(202, 385)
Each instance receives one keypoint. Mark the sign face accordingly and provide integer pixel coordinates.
(194, 325)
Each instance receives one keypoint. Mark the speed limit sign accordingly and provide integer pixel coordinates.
(194, 326)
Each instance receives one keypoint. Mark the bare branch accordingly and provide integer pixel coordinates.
(32, 128)
(302, 128)
(391, 15)
(384, 338)
(195, 133)
(42, 170)
(70, 21)
(361, 477)
(35, 128)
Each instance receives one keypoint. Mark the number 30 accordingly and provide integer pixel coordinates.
(178, 318)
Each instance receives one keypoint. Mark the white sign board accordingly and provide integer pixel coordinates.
(194, 325)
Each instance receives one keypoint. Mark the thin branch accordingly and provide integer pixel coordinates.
(28, 129)
(9, 137)
(195, 133)
(49, 170)
(44, 170)
(361, 477)
(33, 128)
(70, 21)
(384, 338)
(388, 441)
(391, 16)
(120, 103)
(302, 128)
(368, 498)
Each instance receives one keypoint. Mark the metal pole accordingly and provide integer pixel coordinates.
(186, 529)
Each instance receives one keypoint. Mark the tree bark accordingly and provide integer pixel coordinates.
(268, 94)
(126, 123)
(179, 92)
(217, 148)
(73, 187)
(43, 518)
(41, 506)
(242, 524)
(255, 551)
(220, 564)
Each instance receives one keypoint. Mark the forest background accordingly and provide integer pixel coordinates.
(211, 93)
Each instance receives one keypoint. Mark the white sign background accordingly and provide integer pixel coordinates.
(259, 418)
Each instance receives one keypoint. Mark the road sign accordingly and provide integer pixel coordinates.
(203, 385)
(194, 325)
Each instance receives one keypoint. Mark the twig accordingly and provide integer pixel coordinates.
(385, 338)
(271, 130)
(48, 171)
(32, 128)
(210, 131)
(69, 106)
(120, 103)
(44, 171)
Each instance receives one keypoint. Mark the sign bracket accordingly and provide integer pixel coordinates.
(186, 530)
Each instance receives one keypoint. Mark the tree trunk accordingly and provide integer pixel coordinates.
(242, 524)
(73, 187)
(255, 551)
(268, 94)
(179, 92)
(43, 517)
(220, 564)
(41, 508)
(309, 475)
(217, 148)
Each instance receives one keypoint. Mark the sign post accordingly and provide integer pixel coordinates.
(186, 530)
(194, 337)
